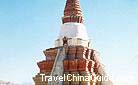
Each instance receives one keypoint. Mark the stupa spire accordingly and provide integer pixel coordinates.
(72, 12)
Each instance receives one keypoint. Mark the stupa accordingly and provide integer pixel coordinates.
(72, 57)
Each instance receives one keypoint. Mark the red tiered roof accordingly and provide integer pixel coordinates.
(72, 12)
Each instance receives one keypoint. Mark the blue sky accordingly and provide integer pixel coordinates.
(27, 27)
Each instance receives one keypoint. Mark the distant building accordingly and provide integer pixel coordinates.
(72, 54)
(7, 83)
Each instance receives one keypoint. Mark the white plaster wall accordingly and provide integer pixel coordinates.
(76, 32)
(73, 30)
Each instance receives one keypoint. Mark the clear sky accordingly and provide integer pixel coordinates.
(27, 27)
